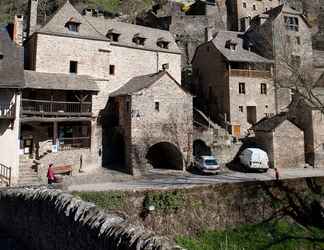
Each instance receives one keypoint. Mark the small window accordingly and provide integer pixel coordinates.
(254, 7)
(157, 106)
(74, 27)
(113, 37)
(73, 67)
(292, 23)
(1, 56)
(127, 106)
(295, 61)
(241, 109)
(242, 88)
(263, 88)
(163, 44)
(111, 69)
(139, 40)
(233, 47)
(298, 40)
(244, 5)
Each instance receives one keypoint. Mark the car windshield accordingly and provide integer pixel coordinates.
(211, 162)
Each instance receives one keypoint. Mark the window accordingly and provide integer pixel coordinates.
(139, 40)
(254, 7)
(233, 47)
(241, 109)
(157, 106)
(242, 88)
(230, 44)
(163, 44)
(113, 37)
(244, 5)
(73, 67)
(74, 27)
(1, 56)
(291, 23)
(111, 69)
(263, 88)
(298, 40)
(295, 61)
(127, 106)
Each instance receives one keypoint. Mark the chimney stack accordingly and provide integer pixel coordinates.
(32, 18)
(18, 31)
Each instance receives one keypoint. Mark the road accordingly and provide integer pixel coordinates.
(171, 180)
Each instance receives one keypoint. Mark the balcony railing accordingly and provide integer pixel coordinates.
(7, 111)
(57, 108)
(5, 175)
(250, 73)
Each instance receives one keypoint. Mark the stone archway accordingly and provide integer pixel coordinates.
(165, 155)
(200, 148)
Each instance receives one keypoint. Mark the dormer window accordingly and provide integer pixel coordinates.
(230, 44)
(139, 39)
(113, 35)
(162, 43)
(73, 25)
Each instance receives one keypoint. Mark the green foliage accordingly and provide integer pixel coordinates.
(105, 200)
(165, 201)
(277, 235)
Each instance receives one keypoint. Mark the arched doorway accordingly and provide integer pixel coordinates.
(165, 155)
(200, 148)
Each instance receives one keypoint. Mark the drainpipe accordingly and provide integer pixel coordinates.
(157, 61)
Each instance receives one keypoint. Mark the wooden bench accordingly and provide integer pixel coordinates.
(62, 169)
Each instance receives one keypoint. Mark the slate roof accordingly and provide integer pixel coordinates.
(269, 124)
(11, 64)
(55, 81)
(141, 82)
(241, 54)
(127, 32)
(57, 24)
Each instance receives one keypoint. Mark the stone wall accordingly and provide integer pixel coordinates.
(51, 220)
(187, 211)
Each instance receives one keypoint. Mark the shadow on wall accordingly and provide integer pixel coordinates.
(165, 155)
(4, 126)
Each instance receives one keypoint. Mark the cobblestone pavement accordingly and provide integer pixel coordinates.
(159, 179)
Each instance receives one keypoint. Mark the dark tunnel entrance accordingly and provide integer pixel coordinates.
(165, 155)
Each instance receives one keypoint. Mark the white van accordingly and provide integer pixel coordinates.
(254, 158)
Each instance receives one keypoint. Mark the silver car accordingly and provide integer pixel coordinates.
(207, 164)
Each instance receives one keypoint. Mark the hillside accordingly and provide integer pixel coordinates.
(9, 8)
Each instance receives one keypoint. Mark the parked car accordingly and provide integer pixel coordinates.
(255, 159)
(207, 164)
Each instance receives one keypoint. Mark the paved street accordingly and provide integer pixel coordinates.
(159, 179)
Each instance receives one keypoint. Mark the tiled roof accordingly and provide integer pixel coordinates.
(11, 63)
(128, 31)
(38, 80)
(269, 124)
(241, 53)
(142, 82)
(57, 25)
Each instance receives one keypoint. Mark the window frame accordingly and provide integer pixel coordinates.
(242, 88)
(157, 106)
(112, 69)
(73, 67)
(263, 89)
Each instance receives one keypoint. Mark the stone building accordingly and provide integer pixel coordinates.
(11, 83)
(192, 26)
(232, 83)
(282, 140)
(283, 35)
(241, 12)
(307, 113)
(79, 60)
(152, 115)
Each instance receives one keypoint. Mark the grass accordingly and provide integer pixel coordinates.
(278, 235)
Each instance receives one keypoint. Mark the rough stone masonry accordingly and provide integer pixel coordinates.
(52, 220)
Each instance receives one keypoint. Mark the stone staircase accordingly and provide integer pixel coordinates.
(27, 172)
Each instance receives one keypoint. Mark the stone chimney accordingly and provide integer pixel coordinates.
(32, 18)
(18, 30)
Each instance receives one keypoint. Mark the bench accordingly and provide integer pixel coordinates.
(62, 169)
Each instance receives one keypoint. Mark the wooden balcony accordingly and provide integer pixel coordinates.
(55, 108)
(250, 73)
(7, 111)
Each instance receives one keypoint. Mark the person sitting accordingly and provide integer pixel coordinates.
(50, 174)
